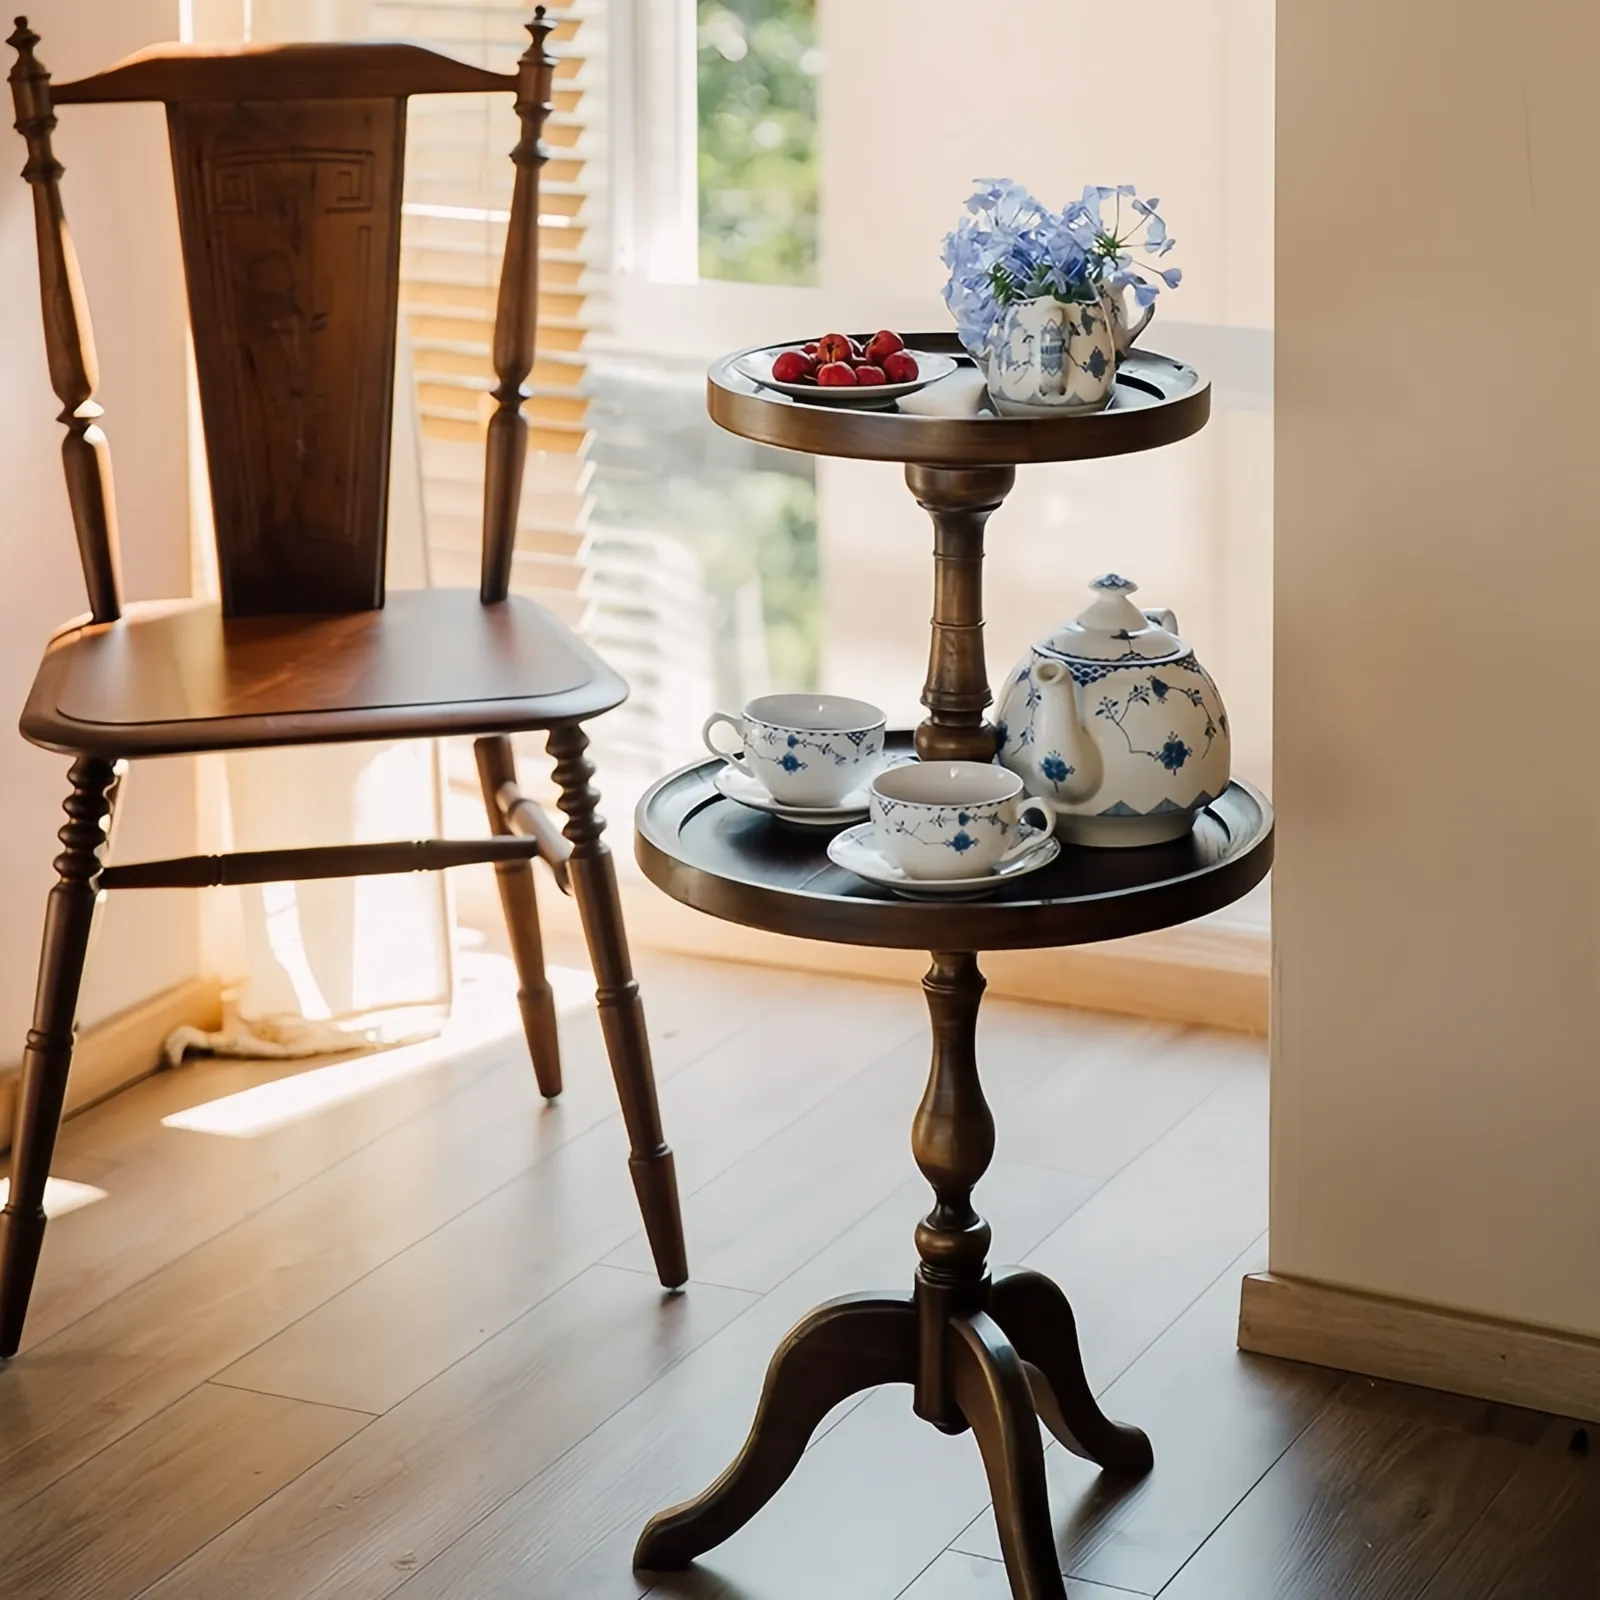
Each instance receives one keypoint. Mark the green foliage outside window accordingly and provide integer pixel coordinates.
(758, 140)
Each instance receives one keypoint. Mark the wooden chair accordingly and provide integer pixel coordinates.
(288, 163)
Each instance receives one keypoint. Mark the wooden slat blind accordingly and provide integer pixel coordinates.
(458, 188)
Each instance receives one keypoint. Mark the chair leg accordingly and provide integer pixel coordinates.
(69, 915)
(594, 886)
(518, 900)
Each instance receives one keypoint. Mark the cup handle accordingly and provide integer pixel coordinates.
(1036, 806)
(1143, 323)
(733, 722)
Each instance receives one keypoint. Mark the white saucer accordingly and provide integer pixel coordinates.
(855, 852)
(733, 784)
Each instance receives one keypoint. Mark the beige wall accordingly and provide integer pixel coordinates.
(118, 197)
(1436, 1070)
(1180, 103)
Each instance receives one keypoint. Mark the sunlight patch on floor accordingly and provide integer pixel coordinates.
(61, 1195)
(485, 1011)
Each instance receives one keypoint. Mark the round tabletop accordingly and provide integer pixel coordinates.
(748, 867)
(1156, 401)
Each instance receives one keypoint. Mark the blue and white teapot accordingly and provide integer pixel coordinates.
(1113, 722)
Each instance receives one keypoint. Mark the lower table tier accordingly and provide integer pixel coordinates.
(747, 867)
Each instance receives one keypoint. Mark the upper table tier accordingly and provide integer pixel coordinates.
(1157, 401)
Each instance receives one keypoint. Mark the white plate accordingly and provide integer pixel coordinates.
(855, 852)
(757, 366)
(732, 783)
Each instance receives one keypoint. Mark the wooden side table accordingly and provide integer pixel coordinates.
(987, 1353)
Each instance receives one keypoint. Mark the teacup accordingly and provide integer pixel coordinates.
(952, 819)
(804, 749)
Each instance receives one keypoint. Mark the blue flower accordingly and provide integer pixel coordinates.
(1173, 753)
(1055, 769)
(794, 739)
(1010, 247)
(790, 762)
(962, 842)
(1159, 689)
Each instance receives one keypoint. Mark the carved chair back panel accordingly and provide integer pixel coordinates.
(289, 213)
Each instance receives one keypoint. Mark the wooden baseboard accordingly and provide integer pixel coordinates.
(1431, 1346)
(124, 1048)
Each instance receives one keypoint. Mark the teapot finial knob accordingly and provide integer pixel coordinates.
(1112, 583)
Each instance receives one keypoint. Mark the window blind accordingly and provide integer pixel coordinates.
(458, 193)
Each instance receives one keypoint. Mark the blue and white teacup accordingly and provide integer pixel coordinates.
(953, 819)
(804, 749)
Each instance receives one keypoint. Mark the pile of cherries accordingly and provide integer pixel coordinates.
(836, 360)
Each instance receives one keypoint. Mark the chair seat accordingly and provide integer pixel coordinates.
(176, 677)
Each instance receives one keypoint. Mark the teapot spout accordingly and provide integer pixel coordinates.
(1066, 756)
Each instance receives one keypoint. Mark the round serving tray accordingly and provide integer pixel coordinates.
(738, 864)
(1156, 401)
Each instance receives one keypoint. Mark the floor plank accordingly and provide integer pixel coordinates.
(571, 1530)
(359, 1522)
(431, 1303)
(169, 1190)
(1155, 1236)
(1540, 1538)
(955, 1576)
(1115, 1090)
(132, 1356)
(1369, 1501)
(116, 1523)
(1218, 1420)
(759, 1220)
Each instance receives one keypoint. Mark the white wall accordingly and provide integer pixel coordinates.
(118, 196)
(1436, 1061)
(919, 97)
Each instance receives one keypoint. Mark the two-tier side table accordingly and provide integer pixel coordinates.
(987, 1353)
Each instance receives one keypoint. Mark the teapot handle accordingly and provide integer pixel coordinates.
(1162, 617)
(1143, 323)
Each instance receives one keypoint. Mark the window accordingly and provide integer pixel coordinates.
(757, 117)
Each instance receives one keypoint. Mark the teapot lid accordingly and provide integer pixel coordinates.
(1112, 628)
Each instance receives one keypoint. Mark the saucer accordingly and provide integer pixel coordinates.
(733, 784)
(855, 852)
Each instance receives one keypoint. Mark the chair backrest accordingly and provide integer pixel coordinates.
(288, 164)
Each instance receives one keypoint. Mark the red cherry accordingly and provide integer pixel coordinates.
(793, 366)
(833, 347)
(867, 373)
(882, 345)
(835, 374)
(901, 367)
(810, 349)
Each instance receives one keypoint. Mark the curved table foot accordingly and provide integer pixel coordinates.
(1037, 1318)
(832, 1353)
(992, 1390)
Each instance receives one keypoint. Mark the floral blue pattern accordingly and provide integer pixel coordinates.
(781, 745)
(1173, 753)
(1056, 768)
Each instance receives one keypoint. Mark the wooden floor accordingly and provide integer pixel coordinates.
(388, 1328)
